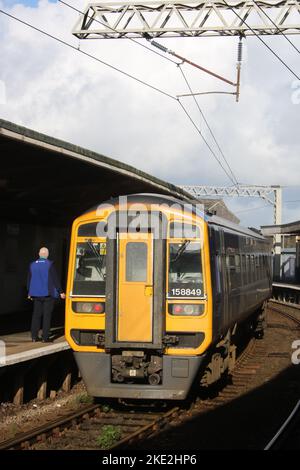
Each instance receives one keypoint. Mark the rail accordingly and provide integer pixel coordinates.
(285, 430)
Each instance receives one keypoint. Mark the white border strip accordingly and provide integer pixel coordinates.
(34, 353)
(287, 286)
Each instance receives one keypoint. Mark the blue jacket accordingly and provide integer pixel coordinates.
(42, 279)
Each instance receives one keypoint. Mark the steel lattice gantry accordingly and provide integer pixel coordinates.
(264, 192)
(271, 194)
(192, 18)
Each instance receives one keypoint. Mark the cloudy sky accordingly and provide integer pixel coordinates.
(59, 91)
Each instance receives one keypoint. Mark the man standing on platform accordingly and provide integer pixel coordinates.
(43, 288)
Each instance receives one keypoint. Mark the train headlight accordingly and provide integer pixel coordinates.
(88, 307)
(186, 309)
(190, 310)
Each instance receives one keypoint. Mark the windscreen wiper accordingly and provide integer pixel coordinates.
(100, 257)
(181, 251)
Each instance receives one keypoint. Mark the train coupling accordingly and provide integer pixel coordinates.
(136, 365)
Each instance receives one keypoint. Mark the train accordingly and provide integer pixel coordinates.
(156, 291)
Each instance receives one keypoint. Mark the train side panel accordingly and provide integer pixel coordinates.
(241, 276)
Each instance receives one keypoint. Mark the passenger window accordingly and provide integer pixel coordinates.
(244, 269)
(238, 270)
(230, 263)
(136, 262)
(261, 264)
(218, 269)
(253, 277)
(249, 276)
(238, 264)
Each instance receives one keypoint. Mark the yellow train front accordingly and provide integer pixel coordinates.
(151, 295)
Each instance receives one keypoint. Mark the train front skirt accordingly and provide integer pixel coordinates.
(178, 374)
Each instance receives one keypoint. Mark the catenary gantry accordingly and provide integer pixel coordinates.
(194, 18)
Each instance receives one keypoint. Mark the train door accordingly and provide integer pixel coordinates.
(135, 288)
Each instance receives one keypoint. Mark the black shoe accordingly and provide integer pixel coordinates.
(35, 340)
(47, 340)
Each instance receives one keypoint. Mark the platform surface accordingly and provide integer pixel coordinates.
(18, 347)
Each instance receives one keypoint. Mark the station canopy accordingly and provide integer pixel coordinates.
(49, 181)
(292, 228)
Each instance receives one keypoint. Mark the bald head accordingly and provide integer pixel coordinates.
(44, 252)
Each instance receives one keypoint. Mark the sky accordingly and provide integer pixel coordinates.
(58, 91)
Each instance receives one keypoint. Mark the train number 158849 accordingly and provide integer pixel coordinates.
(186, 292)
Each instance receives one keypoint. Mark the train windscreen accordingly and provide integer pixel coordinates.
(185, 270)
(90, 269)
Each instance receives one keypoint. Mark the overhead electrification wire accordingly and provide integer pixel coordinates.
(252, 209)
(279, 30)
(263, 42)
(65, 43)
(205, 141)
(61, 41)
(208, 126)
(170, 60)
(176, 63)
(113, 29)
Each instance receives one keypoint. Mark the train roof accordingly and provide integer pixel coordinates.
(215, 220)
(198, 206)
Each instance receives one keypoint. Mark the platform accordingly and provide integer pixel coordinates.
(289, 293)
(286, 286)
(18, 347)
(35, 370)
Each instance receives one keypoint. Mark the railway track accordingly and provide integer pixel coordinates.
(26, 439)
(247, 364)
(127, 427)
(131, 429)
(286, 431)
(255, 356)
(288, 310)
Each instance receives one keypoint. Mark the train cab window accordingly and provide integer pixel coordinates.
(136, 262)
(87, 230)
(184, 230)
(185, 270)
(93, 229)
(90, 269)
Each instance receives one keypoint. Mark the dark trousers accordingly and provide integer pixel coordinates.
(42, 310)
